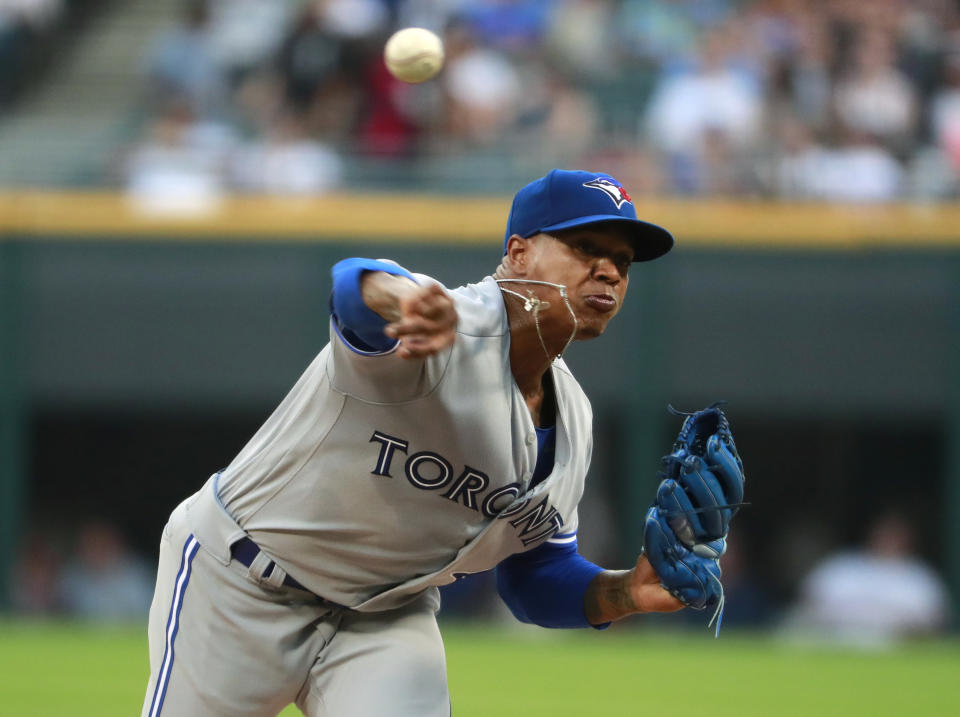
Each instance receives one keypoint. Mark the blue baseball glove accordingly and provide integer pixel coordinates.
(702, 486)
(691, 576)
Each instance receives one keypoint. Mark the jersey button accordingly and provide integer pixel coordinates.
(531, 438)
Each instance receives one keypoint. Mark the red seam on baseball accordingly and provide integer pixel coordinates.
(414, 58)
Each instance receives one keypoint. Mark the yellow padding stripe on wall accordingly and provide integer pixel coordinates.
(466, 220)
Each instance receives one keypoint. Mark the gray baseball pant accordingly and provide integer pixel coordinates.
(225, 642)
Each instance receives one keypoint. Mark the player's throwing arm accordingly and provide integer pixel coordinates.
(422, 317)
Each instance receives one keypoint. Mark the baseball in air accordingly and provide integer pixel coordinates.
(413, 54)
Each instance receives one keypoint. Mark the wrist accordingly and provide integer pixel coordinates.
(384, 293)
(610, 597)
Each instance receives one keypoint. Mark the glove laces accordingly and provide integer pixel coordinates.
(718, 612)
(534, 304)
(678, 412)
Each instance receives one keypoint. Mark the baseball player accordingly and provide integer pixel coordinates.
(438, 434)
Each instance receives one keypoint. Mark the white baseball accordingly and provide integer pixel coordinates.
(413, 54)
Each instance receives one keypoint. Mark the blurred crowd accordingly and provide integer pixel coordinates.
(801, 99)
(88, 573)
(872, 594)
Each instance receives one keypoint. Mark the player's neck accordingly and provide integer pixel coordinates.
(528, 363)
(540, 400)
(532, 348)
(528, 360)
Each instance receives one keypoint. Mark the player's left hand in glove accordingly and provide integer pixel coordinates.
(690, 575)
(702, 486)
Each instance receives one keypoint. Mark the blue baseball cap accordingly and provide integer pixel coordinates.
(564, 199)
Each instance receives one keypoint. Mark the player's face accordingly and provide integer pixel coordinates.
(592, 262)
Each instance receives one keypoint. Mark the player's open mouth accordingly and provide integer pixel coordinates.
(601, 302)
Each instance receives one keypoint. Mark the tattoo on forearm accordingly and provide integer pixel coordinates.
(608, 597)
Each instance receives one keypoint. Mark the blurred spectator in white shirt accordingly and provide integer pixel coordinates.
(800, 161)
(689, 108)
(859, 169)
(287, 161)
(482, 86)
(875, 595)
(179, 168)
(874, 96)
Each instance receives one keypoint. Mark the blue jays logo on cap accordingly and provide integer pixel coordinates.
(612, 189)
(564, 199)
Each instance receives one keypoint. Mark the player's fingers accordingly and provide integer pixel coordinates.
(414, 352)
(419, 324)
(425, 347)
(647, 593)
(434, 295)
(644, 572)
(406, 327)
(654, 598)
(431, 302)
(438, 314)
(412, 348)
(420, 346)
(428, 323)
(415, 326)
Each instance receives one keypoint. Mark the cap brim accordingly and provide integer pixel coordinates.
(650, 241)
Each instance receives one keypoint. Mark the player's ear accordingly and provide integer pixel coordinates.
(518, 253)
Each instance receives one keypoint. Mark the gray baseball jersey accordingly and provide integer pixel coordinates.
(376, 480)
(378, 477)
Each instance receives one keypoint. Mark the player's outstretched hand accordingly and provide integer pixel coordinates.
(427, 323)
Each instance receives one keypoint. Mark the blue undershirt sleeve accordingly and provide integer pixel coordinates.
(546, 586)
(359, 325)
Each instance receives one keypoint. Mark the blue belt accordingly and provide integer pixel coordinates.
(246, 551)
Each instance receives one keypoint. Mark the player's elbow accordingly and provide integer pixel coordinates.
(512, 595)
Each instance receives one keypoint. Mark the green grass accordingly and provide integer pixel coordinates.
(49, 669)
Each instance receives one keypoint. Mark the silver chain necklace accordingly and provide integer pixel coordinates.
(533, 304)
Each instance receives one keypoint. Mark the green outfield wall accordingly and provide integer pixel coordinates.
(834, 333)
